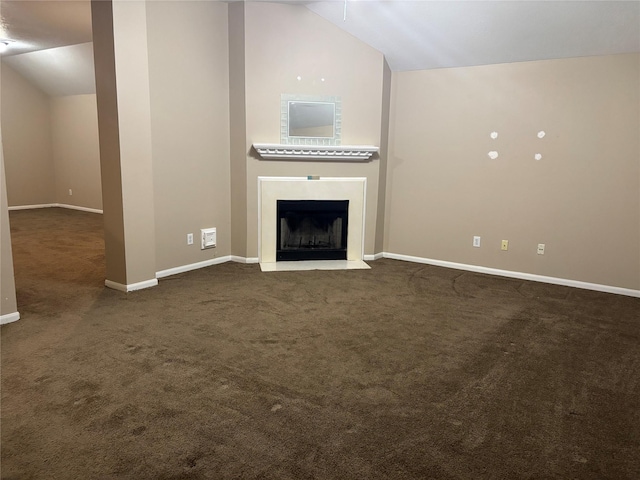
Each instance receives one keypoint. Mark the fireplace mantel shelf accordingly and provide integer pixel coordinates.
(333, 153)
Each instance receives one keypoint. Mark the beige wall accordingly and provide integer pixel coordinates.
(581, 199)
(51, 145)
(287, 41)
(122, 92)
(110, 171)
(238, 129)
(76, 153)
(134, 120)
(8, 304)
(26, 127)
(189, 85)
(384, 154)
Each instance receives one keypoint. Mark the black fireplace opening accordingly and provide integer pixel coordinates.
(312, 230)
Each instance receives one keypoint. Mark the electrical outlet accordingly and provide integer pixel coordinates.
(476, 241)
(189, 238)
(70, 192)
(541, 249)
(505, 245)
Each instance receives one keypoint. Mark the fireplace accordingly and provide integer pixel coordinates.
(312, 230)
(272, 190)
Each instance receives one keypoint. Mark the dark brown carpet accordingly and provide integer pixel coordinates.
(405, 371)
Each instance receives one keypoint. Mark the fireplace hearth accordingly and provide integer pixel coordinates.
(312, 230)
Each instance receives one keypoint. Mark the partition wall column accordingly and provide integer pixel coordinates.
(124, 124)
(8, 303)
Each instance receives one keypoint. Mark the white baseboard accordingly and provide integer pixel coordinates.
(176, 270)
(235, 258)
(192, 266)
(207, 263)
(58, 205)
(82, 209)
(370, 258)
(9, 318)
(132, 286)
(31, 207)
(519, 275)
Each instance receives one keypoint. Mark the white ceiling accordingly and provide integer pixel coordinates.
(38, 25)
(58, 71)
(413, 35)
(51, 44)
(421, 35)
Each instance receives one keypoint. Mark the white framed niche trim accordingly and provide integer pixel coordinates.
(272, 189)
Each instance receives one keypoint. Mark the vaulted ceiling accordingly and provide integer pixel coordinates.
(413, 35)
(51, 44)
(421, 35)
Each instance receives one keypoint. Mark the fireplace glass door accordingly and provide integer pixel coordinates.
(312, 230)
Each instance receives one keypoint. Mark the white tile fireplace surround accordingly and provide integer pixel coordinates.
(272, 189)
